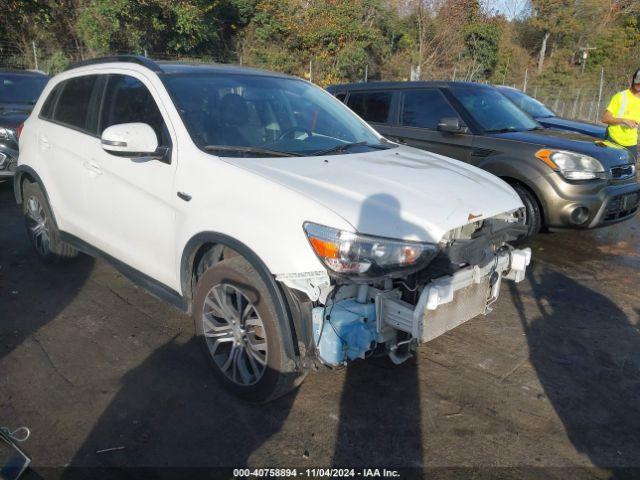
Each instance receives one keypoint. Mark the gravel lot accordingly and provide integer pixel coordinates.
(551, 378)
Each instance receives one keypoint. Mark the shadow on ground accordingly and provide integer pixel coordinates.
(586, 353)
(24, 305)
(170, 411)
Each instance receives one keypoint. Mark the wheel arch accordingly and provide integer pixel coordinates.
(24, 173)
(286, 302)
(532, 191)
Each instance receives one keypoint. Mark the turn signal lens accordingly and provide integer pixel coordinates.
(545, 156)
(324, 249)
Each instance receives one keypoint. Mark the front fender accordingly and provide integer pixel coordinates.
(282, 302)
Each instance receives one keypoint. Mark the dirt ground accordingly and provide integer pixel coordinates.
(546, 386)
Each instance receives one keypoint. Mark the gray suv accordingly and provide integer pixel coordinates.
(565, 179)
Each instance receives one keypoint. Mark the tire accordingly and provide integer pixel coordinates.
(533, 213)
(41, 227)
(260, 370)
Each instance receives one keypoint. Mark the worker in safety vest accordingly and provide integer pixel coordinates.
(623, 116)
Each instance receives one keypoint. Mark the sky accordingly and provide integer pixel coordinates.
(509, 8)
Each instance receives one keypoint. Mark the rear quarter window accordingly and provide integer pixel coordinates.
(46, 111)
(371, 106)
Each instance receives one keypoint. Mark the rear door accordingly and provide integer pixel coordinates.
(132, 201)
(67, 134)
(420, 111)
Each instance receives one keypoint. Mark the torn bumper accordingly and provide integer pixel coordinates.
(449, 301)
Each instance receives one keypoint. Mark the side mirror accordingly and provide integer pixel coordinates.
(130, 140)
(452, 125)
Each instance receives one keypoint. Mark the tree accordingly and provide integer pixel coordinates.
(338, 40)
(552, 18)
(482, 41)
(196, 27)
(438, 27)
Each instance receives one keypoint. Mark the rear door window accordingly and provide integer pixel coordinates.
(371, 106)
(127, 100)
(73, 105)
(425, 108)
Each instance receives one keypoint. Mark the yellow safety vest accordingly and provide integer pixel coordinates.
(624, 105)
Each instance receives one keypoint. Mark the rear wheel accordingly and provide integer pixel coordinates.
(244, 339)
(533, 213)
(41, 229)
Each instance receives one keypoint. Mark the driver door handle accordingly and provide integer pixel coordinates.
(92, 167)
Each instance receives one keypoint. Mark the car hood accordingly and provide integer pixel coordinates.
(590, 129)
(397, 193)
(607, 153)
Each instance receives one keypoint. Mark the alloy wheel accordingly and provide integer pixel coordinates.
(37, 225)
(235, 334)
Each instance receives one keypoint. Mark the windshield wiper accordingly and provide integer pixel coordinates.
(346, 146)
(256, 150)
(536, 128)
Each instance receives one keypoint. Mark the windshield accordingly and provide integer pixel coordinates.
(266, 116)
(529, 104)
(17, 88)
(492, 111)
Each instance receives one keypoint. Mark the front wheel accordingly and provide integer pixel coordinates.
(244, 339)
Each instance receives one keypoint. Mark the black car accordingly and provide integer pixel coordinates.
(565, 179)
(547, 118)
(19, 91)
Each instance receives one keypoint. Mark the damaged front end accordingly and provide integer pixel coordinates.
(384, 296)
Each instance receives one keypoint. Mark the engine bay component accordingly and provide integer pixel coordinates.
(360, 317)
(451, 300)
(344, 331)
(478, 248)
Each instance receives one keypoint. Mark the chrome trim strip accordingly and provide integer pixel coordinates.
(113, 143)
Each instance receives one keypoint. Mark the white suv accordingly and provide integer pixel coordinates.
(294, 233)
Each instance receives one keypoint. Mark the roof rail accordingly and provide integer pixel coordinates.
(139, 59)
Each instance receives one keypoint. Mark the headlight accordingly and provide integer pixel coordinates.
(353, 255)
(7, 134)
(572, 165)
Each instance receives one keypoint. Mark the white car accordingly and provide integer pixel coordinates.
(292, 232)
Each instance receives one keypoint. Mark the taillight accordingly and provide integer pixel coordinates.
(20, 127)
